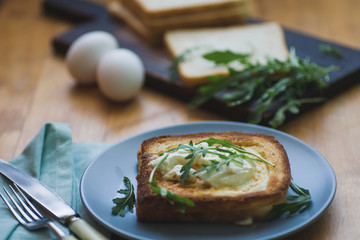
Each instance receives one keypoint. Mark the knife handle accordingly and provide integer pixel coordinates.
(84, 230)
(69, 237)
(59, 232)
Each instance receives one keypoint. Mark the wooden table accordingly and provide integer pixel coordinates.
(35, 88)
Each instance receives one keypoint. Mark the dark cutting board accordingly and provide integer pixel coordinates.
(89, 16)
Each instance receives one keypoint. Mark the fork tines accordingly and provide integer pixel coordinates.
(26, 213)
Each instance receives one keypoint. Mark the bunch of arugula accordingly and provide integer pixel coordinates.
(285, 82)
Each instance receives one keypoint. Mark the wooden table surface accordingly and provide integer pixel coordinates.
(35, 88)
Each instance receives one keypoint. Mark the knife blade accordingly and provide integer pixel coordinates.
(50, 201)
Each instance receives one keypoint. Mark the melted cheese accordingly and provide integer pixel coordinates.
(247, 177)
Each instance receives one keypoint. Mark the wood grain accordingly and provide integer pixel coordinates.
(157, 59)
(35, 88)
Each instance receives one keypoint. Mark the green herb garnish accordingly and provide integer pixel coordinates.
(242, 151)
(173, 68)
(225, 57)
(185, 170)
(330, 50)
(295, 203)
(171, 197)
(285, 82)
(227, 156)
(126, 202)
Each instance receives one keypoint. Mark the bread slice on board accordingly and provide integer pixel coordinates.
(215, 17)
(152, 29)
(117, 10)
(262, 40)
(224, 204)
(157, 9)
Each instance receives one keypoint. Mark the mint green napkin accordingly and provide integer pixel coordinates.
(59, 163)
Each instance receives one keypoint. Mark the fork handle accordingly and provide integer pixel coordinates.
(84, 230)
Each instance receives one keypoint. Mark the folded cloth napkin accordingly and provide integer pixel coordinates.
(59, 163)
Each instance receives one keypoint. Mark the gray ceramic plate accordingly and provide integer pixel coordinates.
(104, 176)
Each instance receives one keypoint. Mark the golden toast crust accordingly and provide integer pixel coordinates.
(211, 207)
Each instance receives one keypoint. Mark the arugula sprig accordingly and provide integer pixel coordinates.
(173, 72)
(230, 155)
(126, 202)
(330, 50)
(285, 82)
(295, 203)
(225, 57)
(173, 68)
(226, 143)
(185, 170)
(227, 156)
(170, 196)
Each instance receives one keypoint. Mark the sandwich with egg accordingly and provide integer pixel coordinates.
(226, 177)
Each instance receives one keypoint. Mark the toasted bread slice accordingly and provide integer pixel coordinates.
(261, 40)
(157, 9)
(119, 12)
(251, 200)
(152, 30)
(216, 17)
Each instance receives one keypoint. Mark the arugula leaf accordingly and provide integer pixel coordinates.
(225, 57)
(217, 165)
(293, 107)
(173, 68)
(173, 72)
(295, 203)
(128, 201)
(226, 143)
(170, 196)
(330, 50)
(262, 84)
(185, 170)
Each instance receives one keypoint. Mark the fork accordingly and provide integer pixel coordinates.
(29, 216)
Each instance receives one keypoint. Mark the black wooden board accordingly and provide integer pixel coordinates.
(89, 16)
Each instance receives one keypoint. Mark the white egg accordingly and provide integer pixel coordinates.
(85, 52)
(120, 74)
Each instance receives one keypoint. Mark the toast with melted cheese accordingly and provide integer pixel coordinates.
(260, 40)
(244, 193)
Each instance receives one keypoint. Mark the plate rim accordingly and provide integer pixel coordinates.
(282, 233)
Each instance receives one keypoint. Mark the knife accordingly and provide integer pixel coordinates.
(50, 202)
